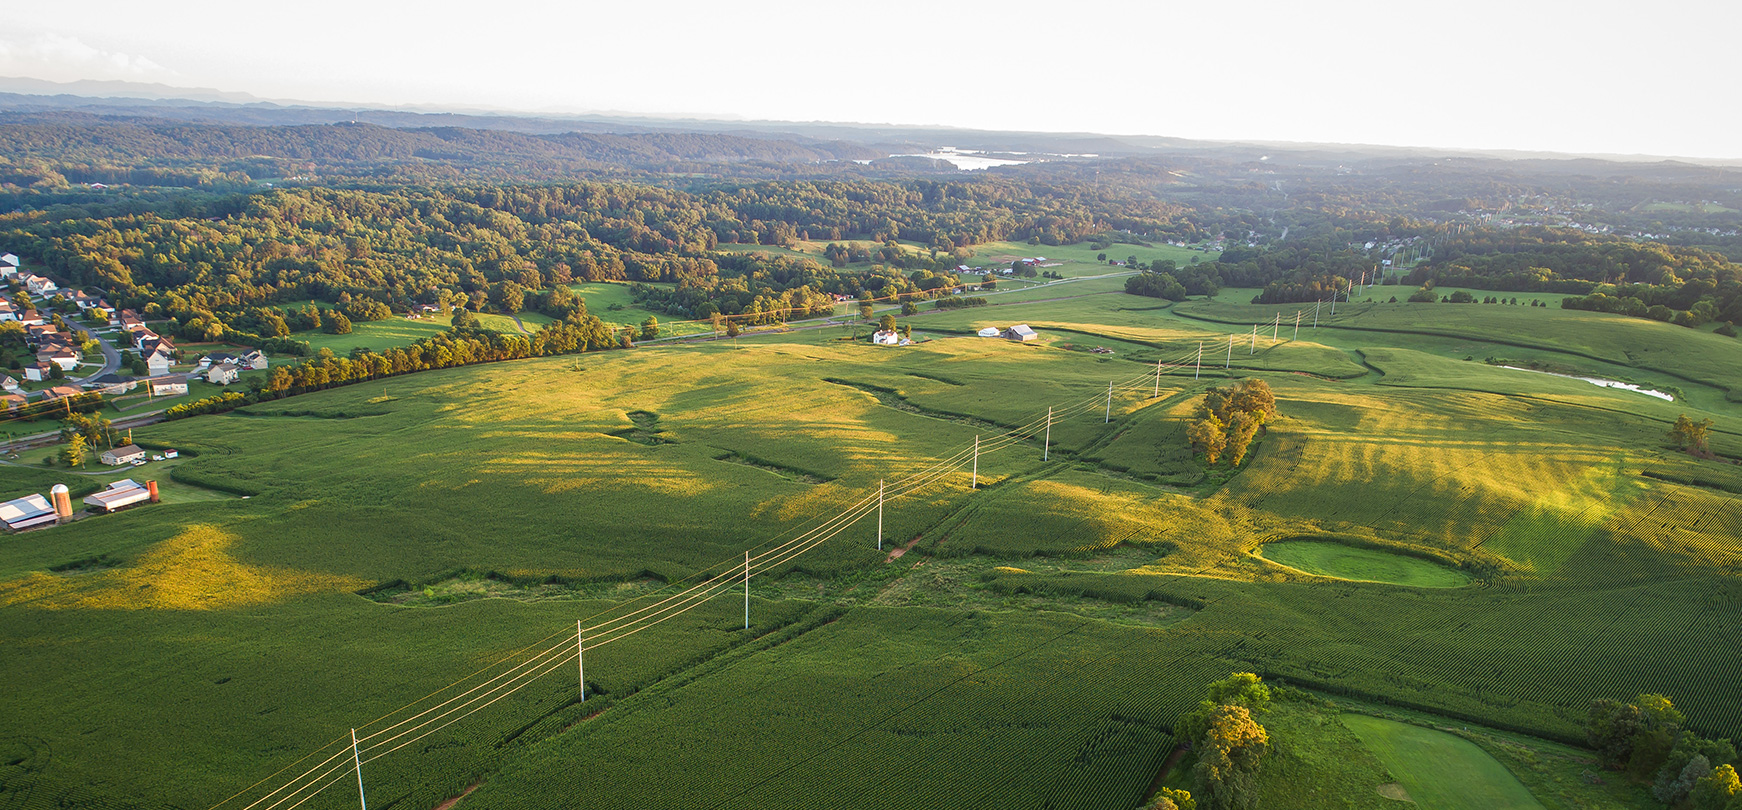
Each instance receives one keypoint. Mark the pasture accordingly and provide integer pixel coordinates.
(1044, 623)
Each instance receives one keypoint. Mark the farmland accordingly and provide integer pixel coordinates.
(1049, 616)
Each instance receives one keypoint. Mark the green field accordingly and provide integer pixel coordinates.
(1032, 644)
(376, 335)
(1441, 770)
(1338, 561)
(1079, 259)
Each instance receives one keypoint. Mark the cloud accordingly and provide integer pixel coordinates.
(58, 57)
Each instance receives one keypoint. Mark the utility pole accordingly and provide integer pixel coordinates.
(1316, 313)
(975, 483)
(746, 589)
(879, 514)
(1275, 327)
(1109, 417)
(357, 760)
(1296, 325)
(1228, 362)
(581, 660)
(1254, 348)
(1157, 391)
(1046, 446)
(1199, 368)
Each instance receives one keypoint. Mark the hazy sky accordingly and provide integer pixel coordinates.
(1591, 76)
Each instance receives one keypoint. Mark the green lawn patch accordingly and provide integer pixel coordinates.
(1440, 770)
(1329, 559)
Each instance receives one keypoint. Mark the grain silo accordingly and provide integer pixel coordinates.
(63, 503)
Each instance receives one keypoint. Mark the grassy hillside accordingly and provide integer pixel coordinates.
(1030, 644)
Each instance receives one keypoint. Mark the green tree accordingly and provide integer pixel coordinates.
(55, 372)
(336, 323)
(716, 320)
(909, 308)
(1690, 435)
(1242, 426)
(465, 319)
(509, 297)
(886, 323)
(1230, 751)
(732, 329)
(1208, 436)
(1242, 689)
(1171, 799)
(73, 455)
(865, 311)
(1716, 789)
(650, 328)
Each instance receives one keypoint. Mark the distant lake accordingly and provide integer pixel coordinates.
(967, 159)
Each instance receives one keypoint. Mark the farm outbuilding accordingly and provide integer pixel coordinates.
(125, 454)
(121, 494)
(1021, 333)
(30, 510)
(989, 332)
(886, 337)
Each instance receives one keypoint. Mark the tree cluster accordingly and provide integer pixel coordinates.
(1691, 436)
(1229, 418)
(1646, 738)
(1229, 742)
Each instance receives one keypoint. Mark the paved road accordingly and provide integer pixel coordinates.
(111, 356)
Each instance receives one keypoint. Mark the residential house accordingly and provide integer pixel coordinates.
(84, 300)
(30, 317)
(158, 362)
(253, 358)
(38, 285)
(8, 264)
(8, 382)
(8, 312)
(13, 401)
(37, 372)
(166, 386)
(214, 359)
(125, 454)
(888, 337)
(60, 392)
(113, 384)
(65, 358)
(1021, 333)
(223, 374)
(131, 321)
(33, 334)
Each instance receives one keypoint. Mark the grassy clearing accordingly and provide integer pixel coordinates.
(1440, 769)
(1339, 561)
(376, 335)
(1080, 257)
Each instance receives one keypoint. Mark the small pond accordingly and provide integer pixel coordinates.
(1331, 559)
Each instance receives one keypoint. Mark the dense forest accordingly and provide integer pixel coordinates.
(170, 216)
(217, 265)
(1683, 285)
